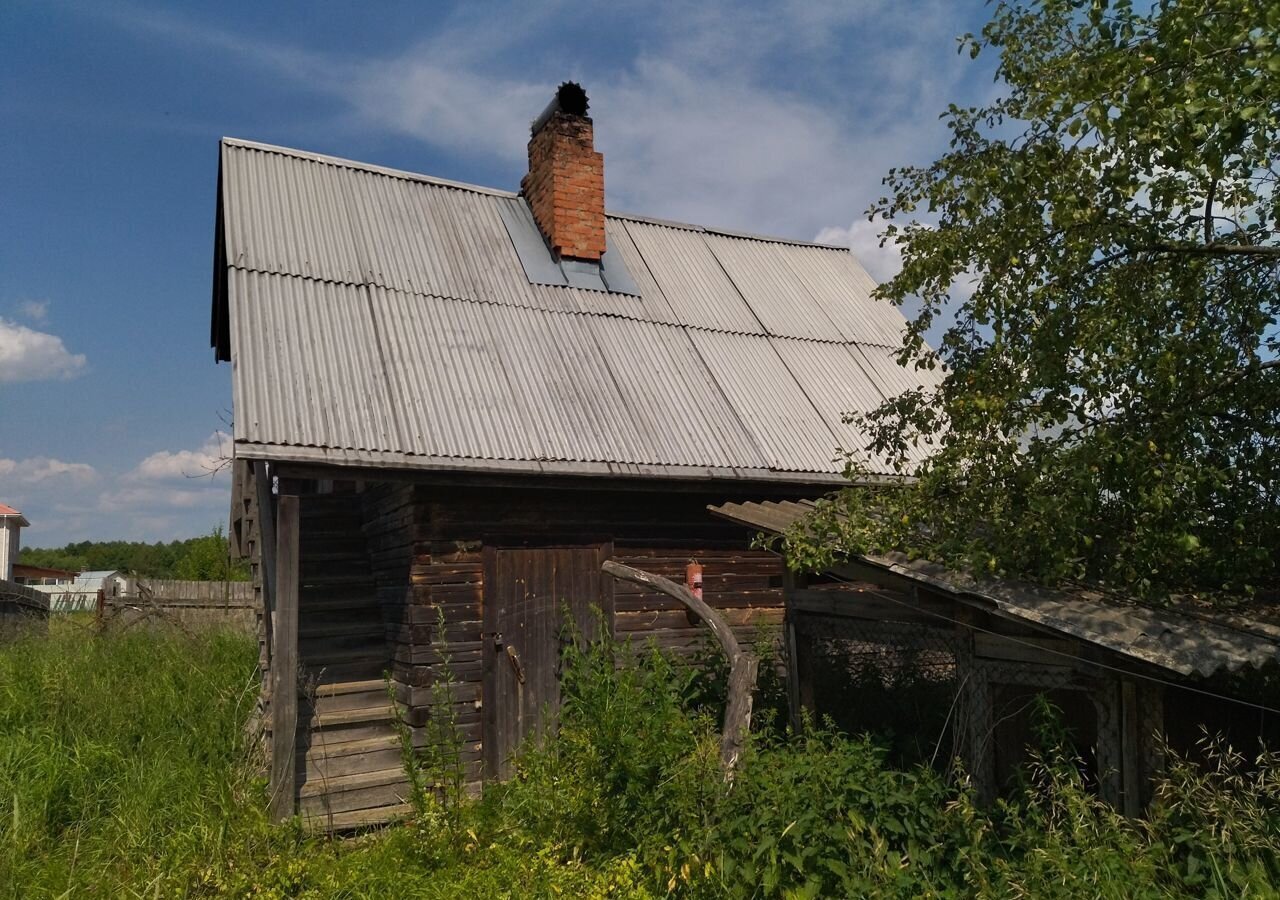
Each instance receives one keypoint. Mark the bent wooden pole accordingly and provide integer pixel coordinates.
(743, 665)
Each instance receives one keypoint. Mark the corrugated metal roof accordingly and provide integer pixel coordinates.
(771, 404)
(383, 318)
(691, 279)
(1189, 641)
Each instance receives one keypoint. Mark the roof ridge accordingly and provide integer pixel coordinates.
(593, 313)
(343, 162)
(406, 175)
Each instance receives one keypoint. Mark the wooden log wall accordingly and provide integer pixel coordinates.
(652, 530)
(388, 517)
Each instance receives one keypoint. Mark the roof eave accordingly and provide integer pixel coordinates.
(373, 459)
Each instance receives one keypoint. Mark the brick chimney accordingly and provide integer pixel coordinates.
(565, 184)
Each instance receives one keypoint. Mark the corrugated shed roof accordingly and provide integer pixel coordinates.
(1183, 640)
(384, 318)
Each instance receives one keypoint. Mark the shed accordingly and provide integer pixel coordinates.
(957, 664)
(452, 403)
(82, 593)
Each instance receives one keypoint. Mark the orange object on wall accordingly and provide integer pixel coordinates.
(693, 578)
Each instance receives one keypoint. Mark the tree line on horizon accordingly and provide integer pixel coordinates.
(204, 558)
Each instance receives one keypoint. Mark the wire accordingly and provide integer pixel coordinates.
(1075, 659)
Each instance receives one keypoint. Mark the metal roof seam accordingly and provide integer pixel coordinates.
(563, 312)
(719, 262)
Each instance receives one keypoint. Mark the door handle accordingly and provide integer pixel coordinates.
(515, 663)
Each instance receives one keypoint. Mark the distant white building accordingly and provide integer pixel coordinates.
(11, 523)
(81, 595)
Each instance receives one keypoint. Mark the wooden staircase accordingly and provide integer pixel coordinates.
(349, 768)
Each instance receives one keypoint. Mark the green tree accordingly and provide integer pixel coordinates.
(200, 558)
(208, 558)
(1109, 402)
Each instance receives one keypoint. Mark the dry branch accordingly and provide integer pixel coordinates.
(743, 665)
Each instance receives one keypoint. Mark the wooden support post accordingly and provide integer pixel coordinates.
(743, 666)
(266, 544)
(284, 663)
(1130, 749)
(791, 582)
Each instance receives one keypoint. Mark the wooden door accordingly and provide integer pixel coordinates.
(533, 600)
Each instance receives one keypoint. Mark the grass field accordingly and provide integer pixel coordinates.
(125, 772)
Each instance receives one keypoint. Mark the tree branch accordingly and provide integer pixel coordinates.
(1213, 249)
(1208, 212)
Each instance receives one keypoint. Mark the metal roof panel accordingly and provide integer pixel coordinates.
(842, 289)
(691, 279)
(769, 401)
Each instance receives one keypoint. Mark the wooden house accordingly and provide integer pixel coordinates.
(957, 665)
(453, 403)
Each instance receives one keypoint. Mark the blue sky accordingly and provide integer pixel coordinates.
(776, 118)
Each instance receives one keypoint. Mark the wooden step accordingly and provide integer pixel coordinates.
(327, 766)
(335, 551)
(341, 638)
(314, 580)
(351, 687)
(321, 621)
(339, 717)
(319, 673)
(329, 750)
(347, 783)
(360, 819)
(344, 733)
(349, 793)
(345, 591)
(329, 631)
(319, 656)
(355, 700)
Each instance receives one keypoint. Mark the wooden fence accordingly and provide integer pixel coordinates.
(21, 608)
(191, 605)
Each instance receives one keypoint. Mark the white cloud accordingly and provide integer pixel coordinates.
(30, 355)
(204, 460)
(698, 124)
(34, 310)
(863, 238)
(67, 501)
(130, 499)
(38, 469)
(883, 263)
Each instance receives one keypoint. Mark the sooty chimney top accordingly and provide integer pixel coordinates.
(570, 99)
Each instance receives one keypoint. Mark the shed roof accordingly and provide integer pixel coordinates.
(381, 318)
(95, 578)
(1186, 640)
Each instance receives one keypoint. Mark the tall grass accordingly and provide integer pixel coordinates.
(124, 772)
(121, 756)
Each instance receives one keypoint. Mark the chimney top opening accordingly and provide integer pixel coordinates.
(570, 99)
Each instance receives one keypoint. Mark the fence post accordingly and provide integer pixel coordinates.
(284, 662)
